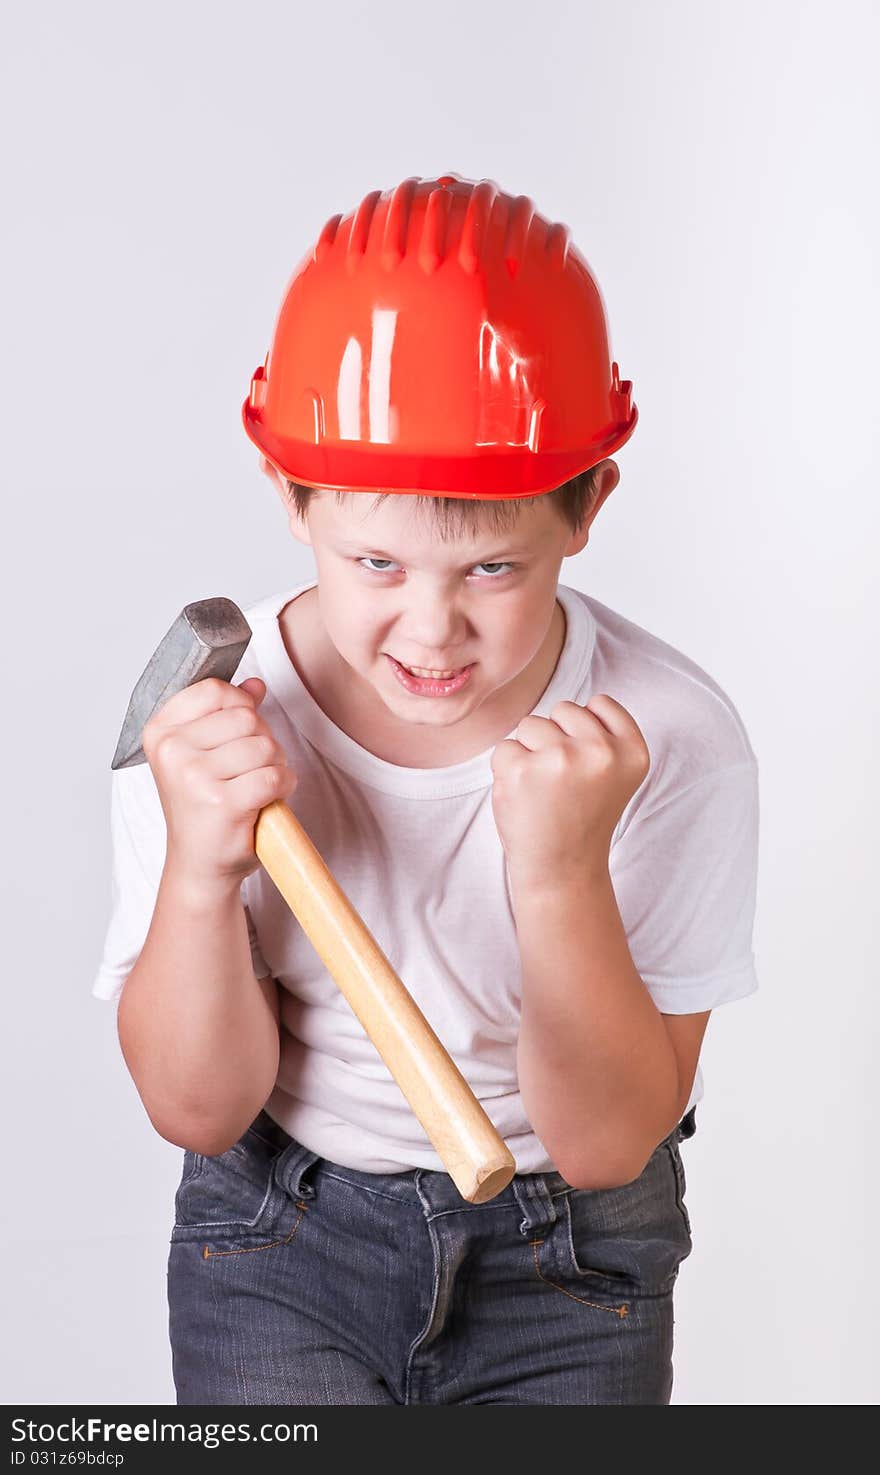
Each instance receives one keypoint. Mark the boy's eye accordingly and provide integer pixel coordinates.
(368, 559)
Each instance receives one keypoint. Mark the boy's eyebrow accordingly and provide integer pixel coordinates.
(493, 557)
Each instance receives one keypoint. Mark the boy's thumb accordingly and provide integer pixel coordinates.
(256, 686)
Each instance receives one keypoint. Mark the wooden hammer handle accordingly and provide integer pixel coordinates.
(475, 1156)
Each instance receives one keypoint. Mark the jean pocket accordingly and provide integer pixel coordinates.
(625, 1241)
(233, 1196)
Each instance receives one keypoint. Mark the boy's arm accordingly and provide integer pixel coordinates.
(199, 1032)
(604, 1076)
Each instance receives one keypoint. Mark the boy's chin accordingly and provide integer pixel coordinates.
(430, 711)
(426, 711)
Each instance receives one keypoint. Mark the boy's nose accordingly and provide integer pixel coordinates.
(434, 624)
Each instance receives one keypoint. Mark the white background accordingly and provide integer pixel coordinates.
(167, 166)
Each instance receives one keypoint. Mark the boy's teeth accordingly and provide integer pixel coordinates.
(422, 671)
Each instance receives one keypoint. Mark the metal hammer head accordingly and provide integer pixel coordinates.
(208, 638)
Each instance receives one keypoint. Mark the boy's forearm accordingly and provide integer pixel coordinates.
(597, 1071)
(197, 1034)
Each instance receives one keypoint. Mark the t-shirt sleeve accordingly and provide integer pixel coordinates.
(685, 878)
(137, 832)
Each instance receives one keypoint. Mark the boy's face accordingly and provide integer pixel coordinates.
(392, 591)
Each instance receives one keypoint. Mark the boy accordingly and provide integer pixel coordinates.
(546, 816)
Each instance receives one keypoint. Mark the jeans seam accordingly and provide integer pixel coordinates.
(621, 1311)
(209, 1254)
(679, 1191)
(411, 1372)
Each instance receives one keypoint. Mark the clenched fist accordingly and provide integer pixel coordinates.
(561, 785)
(216, 764)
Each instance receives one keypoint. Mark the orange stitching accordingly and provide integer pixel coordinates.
(620, 1311)
(250, 1249)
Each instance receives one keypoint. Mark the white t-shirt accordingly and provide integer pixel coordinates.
(417, 852)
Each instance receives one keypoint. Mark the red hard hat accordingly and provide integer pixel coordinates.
(442, 338)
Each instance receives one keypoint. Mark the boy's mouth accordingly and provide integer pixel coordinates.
(430, 671)
(421, 681)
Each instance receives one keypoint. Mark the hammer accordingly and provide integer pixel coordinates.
(209, 638)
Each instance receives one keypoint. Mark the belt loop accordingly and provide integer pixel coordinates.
(291, 1166)
(535, 1200)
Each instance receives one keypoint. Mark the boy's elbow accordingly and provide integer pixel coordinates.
(594, 1180)
(599, 1172)
(205, 1139)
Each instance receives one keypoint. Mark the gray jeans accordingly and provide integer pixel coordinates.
(294, 1280)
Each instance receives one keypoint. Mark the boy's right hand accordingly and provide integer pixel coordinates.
(216, 764)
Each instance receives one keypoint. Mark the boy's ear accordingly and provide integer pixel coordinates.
(607, 475)
(297, 523)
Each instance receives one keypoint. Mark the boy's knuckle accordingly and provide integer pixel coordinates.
(563, 708)
(167, 748)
